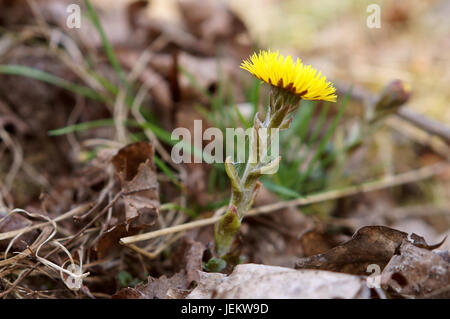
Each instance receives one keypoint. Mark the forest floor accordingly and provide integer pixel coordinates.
(92, 204)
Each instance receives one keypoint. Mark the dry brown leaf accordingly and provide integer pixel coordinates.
(137, 174)
(316, 241)
(110, 239)
(193, 255)
(369, 245)
(210, 20)
(14, 222)
(150, 27)
(189, 256)
(203, 69)
(272, 239)
(17, 12)
(136, 13)
(417, 273)
(252, 281)
(161, 288)
(9, 118)
(158, 86)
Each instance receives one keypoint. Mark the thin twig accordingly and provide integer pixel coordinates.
(405, 113)
(435, 143)
(425, 123)
(74, 212)
(159, 250)
(44, 234)
(23, 275)
(389, 181)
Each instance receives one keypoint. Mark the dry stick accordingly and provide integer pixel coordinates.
(44, 234)
(397, 213)
(120, 115)
(435, 143)
(389, 181)
(76, 211)
(29, 271)
(101, 142)
(154, 254)
(17, 152)
(103, 211)
(150, 135)
(79, 67)
(427, 124)
(405, 113)
(138, 69)
(100, 199)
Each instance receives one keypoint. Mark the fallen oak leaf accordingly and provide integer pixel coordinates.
(192, 252)
(16, 222)
(316, 241)
(210, 20)
(161, 288)
(110, 239)
(128, 293)
(420, 242)
(177, 286)
(369, 245)
(140, 195)
(137, 174)
(250, 281)
(417, 273)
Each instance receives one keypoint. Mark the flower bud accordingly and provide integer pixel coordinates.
(393, 96)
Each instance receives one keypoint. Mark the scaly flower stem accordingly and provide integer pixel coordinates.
(244, 189)
(290, 81)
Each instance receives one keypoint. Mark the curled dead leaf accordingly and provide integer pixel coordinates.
(210, 20)
(251, 281)
(110, 239)
(140, 195)
(137, 174)
(316, 241)
(15, 222)
(191, 254)
(417, 273)
(369, 245)
(161, 288)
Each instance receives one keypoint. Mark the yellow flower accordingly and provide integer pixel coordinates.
(298, 79)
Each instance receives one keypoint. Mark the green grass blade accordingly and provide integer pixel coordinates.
(36, 74)
(279, 189)
(81, 127)
(306, 122)
(106, 44)
(107, 85)
(254, 95)
(193, 81)
(324, 141)
(206, 114)
(320, 122)
(159, 132)
(301, 122)
(213, 205)
(242, 118)
(167, 137)
(166, 170)
(173, 206)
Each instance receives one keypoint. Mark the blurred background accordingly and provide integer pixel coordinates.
(73, 99)
(411, 44)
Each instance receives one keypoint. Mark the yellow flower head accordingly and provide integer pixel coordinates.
(298, 79)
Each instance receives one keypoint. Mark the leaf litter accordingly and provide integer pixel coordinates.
(85, 191)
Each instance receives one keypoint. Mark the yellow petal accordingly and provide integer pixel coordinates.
(296, 78)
